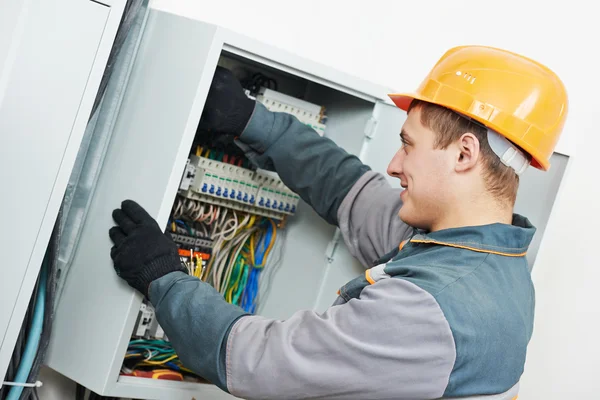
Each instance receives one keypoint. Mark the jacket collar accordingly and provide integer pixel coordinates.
(502, 239)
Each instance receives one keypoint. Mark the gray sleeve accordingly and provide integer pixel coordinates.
(197, 321)
(368, 218)
(392, 343)
(320, 171)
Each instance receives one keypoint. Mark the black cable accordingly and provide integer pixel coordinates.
(79, 392)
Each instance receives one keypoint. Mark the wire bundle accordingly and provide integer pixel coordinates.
(242, 244)
(152, 354)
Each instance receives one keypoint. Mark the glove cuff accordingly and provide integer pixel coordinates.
(242, 116)
(158, 268)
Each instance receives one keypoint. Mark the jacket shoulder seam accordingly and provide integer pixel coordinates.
(461, 277)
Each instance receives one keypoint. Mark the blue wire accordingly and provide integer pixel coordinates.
(173, 366)
(262, 245)
(33, 339)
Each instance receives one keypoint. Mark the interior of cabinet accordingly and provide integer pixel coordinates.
(300, 253)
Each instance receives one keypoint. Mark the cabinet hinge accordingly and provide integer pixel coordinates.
(370, 127)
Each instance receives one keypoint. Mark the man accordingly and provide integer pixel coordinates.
(446, 309)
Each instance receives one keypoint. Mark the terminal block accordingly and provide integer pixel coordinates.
(256, 192)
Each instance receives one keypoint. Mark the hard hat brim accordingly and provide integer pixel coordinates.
(403, 100)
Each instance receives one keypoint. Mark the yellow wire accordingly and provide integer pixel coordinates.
(197, 268)
(185, 369)
(253, 263)
(198, 151)
(273, 237)
(166, 360)
(173, 227)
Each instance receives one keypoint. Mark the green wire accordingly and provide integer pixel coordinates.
(243, 284)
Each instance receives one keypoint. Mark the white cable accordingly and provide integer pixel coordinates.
(20, 384)
(233, 229)
(176, 212)
(221, 259)
(238, 248)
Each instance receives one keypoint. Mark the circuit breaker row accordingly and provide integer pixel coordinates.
(220, 183)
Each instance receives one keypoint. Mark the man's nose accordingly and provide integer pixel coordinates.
(395, 166)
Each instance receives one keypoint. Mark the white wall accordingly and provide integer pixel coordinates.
(395, 43)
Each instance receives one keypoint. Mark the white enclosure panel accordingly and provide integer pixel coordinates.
(144, 162)
(535, 199)
(39, 108)
(12, 22)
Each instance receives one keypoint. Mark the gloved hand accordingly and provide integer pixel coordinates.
(142, 252)
(227, 109)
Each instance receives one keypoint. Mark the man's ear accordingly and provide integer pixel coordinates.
(468, 152)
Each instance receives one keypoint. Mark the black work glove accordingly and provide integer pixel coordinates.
(227, 109)
(142, 252)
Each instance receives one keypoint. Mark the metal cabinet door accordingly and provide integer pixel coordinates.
(43, 76)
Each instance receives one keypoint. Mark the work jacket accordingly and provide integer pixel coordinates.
(435, 315)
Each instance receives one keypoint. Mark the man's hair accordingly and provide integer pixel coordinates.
(501, 181)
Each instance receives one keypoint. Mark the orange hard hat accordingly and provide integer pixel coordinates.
(517, 97)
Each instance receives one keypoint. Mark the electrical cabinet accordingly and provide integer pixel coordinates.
(146, 159)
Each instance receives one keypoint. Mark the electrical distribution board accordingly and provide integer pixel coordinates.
(238, 228)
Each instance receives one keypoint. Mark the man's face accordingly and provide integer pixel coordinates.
(424, 172)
